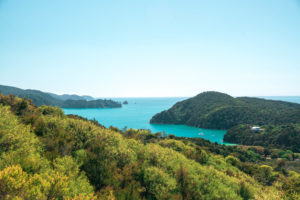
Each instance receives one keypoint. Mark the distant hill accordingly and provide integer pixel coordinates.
(64, 101)
(217, 110)
(65, 97)
(99, 103)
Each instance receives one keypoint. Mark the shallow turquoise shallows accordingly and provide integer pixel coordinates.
(139, 111)
(137, 114)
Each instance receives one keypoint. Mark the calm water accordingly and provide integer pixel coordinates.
(139, 111)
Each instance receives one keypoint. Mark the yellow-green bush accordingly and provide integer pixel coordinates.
(45, 154)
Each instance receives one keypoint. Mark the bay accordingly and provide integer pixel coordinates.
(138, 112)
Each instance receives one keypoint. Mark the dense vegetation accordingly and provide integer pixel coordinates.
(272, 136)
(45, 154)
(99, 103)
(65, 101)
(64, 97)
(216, 110)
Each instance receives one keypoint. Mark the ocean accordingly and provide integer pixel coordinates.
(138, 112)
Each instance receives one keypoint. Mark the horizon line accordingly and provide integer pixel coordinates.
(153, 96)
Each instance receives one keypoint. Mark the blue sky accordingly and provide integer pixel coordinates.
(151, 48)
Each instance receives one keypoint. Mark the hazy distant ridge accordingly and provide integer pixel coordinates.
(65, 100)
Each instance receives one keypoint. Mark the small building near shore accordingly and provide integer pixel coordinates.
(256, 128)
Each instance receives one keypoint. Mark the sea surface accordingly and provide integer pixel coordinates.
(138, 112)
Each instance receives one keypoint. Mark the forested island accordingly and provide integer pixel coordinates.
(64, 101)
(46, 154)
(215, 110)
(99, 103)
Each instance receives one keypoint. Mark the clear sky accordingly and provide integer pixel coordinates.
(147, 48)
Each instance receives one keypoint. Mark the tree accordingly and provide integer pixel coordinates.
(183, 183)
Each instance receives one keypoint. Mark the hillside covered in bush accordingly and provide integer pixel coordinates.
(214, 110)
(45, 154)
(272, 136)
(64, 101)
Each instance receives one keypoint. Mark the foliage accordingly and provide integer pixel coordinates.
(45, 154)
(216, 110)
(273, 136)
(66, 101)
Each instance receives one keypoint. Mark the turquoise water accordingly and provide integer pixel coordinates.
(139, 111)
